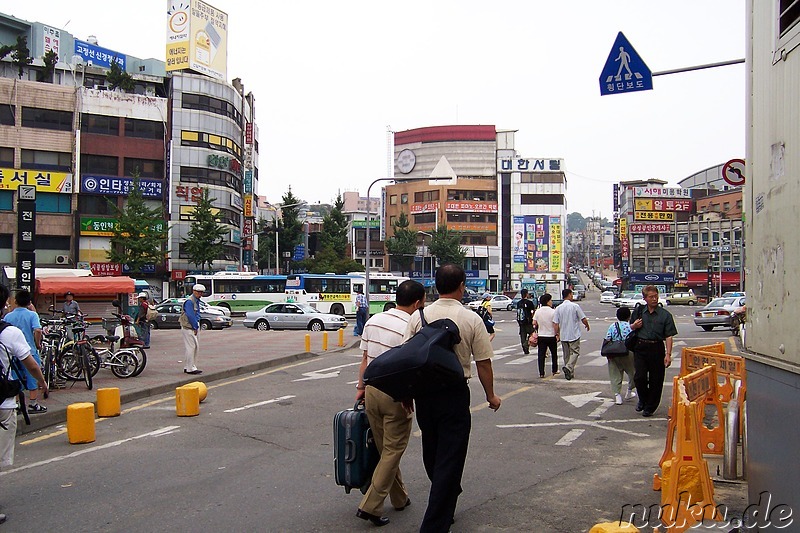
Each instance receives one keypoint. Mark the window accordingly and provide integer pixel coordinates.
(695, 240)
(638, 240)
(654, 264)
(7, 114)
(426, 196)
(404, 198)
(683, 240)
(472, 217)
(209, 176)
(788, 16)
(7, 157)
(6, 251)
(704, 238)
(543, 199)
(698, 264)
(48, 119)
(147, 168)
(726, 206)
(95, 205)
(42, 160)
(715, 238)
(654, 239)
(100, 124)
(425, 218)
(6, 201)
(638, 265)
(145, 129)
(51, 202)
(475, 196)
(668, 240)
(393, 199)
(204, 102)
(392, 220)
(99, 164)
(541, 177)
(207, 140)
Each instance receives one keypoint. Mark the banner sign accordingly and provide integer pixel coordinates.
(536, 244)
(248, 205)
(106, 227)
(97, 55)
(117, 186)
(661, 192)
(428, 207)
(44, 180)
(650, 228)
(654, 215)
(106, 269)
(474, 207)
(649, 204)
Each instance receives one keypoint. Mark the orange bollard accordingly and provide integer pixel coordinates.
(108, 402)
(341, 337)
(308, 342)
(201, 387)
(187, 401)
(80, 423)
(324, 341)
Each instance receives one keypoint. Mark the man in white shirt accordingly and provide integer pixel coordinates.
(13, 345)
(389, 420)
(567, 320)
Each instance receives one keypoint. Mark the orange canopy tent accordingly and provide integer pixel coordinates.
(87, 286)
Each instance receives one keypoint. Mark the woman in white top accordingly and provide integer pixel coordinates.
(543, 324)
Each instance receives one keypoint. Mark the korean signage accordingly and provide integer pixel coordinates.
(247, 228)
(52, 40)
(248, 182)
(654, 215)
(116, 186)
(197, 38)
(473, 207)
(531, 165)
(26, 270)
(650, 204)
(196, 193)
(106, 269)
(98, 56)
(26, 225)
(225, 163)
(536, 244)
(236, 236)
(248, 205)
(640, 227)
(661, 192)
(44, 180)
(106, 227)
(236, 201)
(374, 223)
(428, 207)
(653, 277)
(248, 133)
(616, 196)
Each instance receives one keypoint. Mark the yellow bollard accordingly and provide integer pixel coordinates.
(201, 386)
(308, 342)
(80, 423)
(614, 527)
(324, 340)
(341, 337)
(108, 403)
(187, 401)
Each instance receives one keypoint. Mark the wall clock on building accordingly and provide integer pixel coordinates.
(406, 161)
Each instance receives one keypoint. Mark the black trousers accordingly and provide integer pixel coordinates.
(445, 422)
(544, 344)
(525, 331)
(649, 371)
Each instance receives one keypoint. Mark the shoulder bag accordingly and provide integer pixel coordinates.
(633, 337)
(614, 348)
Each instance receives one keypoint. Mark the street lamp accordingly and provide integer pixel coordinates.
(423, 233)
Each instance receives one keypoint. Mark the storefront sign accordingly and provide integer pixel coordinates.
(97, 55)
(661, 192)
(236, 236)
(26, 270)
(472, 207)
(530, 165)
(536, 244)
(248, 133)
(184, 192)
(652, 277)
(224, 163)
(236, 201)
(428, 207)
(374, 223)
(106, 269)
(52, 40)
(247, 227)
(116, 186)
(43, 180)
(248, 205)
(178, 275)
(107, 227)
(651, 228)
(650, 204)
(248, 182)
(654, 215)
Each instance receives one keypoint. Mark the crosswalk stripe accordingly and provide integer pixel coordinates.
(522, 360)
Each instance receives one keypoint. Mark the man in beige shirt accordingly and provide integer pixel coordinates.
(444, 417)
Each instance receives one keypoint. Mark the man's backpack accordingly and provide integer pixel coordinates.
(9, 386)
(424, 365)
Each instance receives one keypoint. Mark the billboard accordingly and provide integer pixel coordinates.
(43, 180)
(197, 38)
(536, 244)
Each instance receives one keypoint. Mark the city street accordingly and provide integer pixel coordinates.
(557, 457)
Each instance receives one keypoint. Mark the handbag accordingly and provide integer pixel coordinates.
(633, 337)
(152, 314)
(614, 348)
(533, 340)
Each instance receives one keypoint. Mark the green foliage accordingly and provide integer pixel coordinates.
(402, 246)
(446, 246)
(118, 78)
(328, 260)
(20, 54)
(206, 238)
(575, 222)
(137, 241)
(334, 229)
(50, 59)
(265, 255)
(290, 229)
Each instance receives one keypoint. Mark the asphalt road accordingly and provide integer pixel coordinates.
(557, 457)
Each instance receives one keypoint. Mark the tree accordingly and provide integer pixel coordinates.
(446, 246)
(118, 78)
(290, 229)
(402, 246)
(328, 260)
(49, 59)
(206, 239)
(265, 255)
(334, 229)
(20, 54)
(575, 222)
(140, 233)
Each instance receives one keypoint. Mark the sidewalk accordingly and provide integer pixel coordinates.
(223, 354)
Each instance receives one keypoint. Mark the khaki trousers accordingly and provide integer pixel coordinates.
(391, 427)
(191, 346)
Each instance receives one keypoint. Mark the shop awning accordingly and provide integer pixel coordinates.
(88, 286)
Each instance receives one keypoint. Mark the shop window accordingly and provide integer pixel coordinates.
(51, 202)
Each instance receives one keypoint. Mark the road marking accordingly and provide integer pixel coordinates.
(157, 433)
(258, 404)
(570, 437)
(579, 400)
(602, 408)
(568, 421)
(522, 360)
(324, 373)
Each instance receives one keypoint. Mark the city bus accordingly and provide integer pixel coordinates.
(328, 293)
(238, 291)
(382, 290)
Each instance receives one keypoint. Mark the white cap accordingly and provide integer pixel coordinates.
(199, 287)
(142, 295)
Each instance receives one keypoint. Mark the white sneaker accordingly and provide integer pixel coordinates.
(630, 394)
(618, 399)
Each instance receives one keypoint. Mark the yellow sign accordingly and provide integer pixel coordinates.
(555, 247)
(654, 215)
(44, 180)
(248, 205)
(187, 212)
(623, 228)
(643, 204)
(197, 38)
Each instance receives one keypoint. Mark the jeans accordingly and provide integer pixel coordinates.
(361, 319)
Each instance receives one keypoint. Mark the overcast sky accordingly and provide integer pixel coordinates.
(329, 78)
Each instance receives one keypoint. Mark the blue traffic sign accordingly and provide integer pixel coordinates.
(624, 71)
(299, 252)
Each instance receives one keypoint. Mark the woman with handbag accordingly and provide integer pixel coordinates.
(622, 362)
(544, 333)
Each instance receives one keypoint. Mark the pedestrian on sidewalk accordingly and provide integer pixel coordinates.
(568, 318)
(619, 331)
(389, 421)
(142, 324)
(546, 330)
(525, 310)
(28, 322)
(190, 325)
(362, 312)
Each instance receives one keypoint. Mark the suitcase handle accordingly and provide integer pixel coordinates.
(349, 451)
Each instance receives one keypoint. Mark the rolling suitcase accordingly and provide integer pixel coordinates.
(354, 452)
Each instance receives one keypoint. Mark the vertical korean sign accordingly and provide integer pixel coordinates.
(26, 237)
(555, 244)
(531, 244)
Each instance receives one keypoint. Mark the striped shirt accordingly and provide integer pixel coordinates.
(361, 301)
(383, 331)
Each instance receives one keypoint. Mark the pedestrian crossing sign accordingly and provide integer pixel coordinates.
(624, 71)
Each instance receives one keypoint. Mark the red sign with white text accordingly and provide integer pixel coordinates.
(106, 269)
(650, 228)
(472, 207)
(428, 207)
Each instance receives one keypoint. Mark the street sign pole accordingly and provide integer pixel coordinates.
(26, 237)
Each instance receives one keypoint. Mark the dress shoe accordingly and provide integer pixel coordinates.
(193, 372)
(376, 520)
(647, 413)
(408, 502)
(639, 407)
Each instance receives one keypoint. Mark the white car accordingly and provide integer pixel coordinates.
(607, 297)
(632, 302)
(500, 302)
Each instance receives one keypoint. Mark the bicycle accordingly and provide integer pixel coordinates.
(123, 363)
(76, 364)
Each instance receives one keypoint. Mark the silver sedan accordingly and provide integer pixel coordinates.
(292, 316)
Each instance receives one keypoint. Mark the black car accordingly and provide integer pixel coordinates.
(169, 313)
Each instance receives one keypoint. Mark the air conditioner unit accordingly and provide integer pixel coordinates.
(670, 268)
(101, 87)
(62, 260)
(681, 275)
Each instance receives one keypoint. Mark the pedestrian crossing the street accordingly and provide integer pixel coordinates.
(514, 355)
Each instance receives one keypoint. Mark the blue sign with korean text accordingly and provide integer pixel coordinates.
(148, 268)
(652, 277)
(99, 56)
(299, 252)
(624, 71)
(116, 186)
